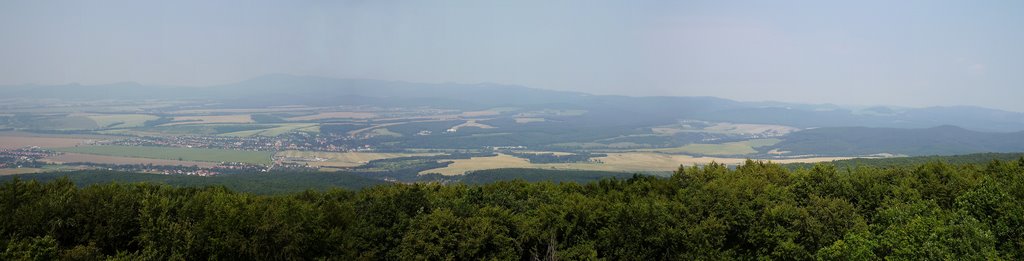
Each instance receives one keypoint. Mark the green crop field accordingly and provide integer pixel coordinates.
(169, 153)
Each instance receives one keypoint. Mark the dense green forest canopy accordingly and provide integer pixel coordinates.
(278, 182)
(758, 210)
(966, 159)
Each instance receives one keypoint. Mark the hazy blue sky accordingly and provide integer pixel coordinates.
(910, 53)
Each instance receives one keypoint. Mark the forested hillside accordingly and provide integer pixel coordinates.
(941, 140)
(966, 159)
(757, 211)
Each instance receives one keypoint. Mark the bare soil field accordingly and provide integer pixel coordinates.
(78, 157)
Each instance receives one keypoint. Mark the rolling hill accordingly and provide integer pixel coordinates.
(274, 90)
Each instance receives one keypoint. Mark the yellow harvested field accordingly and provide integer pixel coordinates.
(78, 157)
(461, 166)
(339, 159)
(14, 142)
(623, 162)
(335, 115)
(240, 118)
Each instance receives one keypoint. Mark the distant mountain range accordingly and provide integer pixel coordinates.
(275, 90)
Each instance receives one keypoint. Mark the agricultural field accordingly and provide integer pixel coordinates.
(601, 146)
(14, 142)
(335, 115)
(556, 153)
(524, 120)
(488, 112)
(729, 148)
(248, 110)
(233, 130)
(647, 160)
(765, 130)
(238, 118)
(20, 171)
(171, 153)
(276, 129)
(382, 132)
(339, 159)
(552, 112)
(47, 168)
(59, 122)
(102, 159)
(472, 124)
(643, 162)
(121, 120)
(461, 166)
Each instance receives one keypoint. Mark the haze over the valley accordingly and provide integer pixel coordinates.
(904, 53)
(511, 130)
